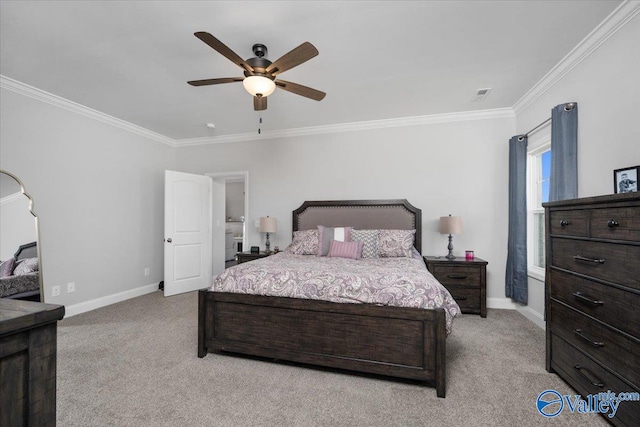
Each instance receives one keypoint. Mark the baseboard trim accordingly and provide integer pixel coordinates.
(83, 307)
(501, 303)
(532, 315)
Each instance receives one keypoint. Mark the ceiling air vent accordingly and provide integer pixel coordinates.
(481, 94)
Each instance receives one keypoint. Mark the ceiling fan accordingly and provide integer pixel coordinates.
(260, 73)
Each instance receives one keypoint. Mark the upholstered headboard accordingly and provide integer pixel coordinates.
(361, 214)
(28, 250)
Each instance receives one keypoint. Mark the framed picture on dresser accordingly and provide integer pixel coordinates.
(625, 180)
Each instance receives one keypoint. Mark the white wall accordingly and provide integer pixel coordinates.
(458, 168)
(607, 88)
(98, 192)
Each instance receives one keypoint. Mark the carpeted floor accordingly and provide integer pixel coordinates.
(134, 364)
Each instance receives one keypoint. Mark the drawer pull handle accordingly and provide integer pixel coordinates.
(583, 372)
(460, 298)
(578, 332)
(613, 223)
(584, 298)
(457, 276)
(585, 259)
(564, 223)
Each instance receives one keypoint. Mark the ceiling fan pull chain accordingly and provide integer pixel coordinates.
(260, 125)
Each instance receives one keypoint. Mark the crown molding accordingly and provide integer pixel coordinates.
(497, 113)
(616, 20)
(57, 101)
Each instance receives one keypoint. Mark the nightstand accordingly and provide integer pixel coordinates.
(250, 256)
(466, 281)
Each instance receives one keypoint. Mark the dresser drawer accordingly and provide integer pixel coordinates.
(608, 261)
(610, 348)
(467, 298)
(615, 224)
(457, 275)
(610, 305)
(588, 377)
(569, 223)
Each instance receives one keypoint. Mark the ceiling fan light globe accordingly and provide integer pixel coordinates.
(259, 85)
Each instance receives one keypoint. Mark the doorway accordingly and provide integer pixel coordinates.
(230, 208)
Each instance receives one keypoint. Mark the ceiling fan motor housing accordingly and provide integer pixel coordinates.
(259, 66)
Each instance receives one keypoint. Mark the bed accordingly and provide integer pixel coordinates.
(23, 279)
(355, 330)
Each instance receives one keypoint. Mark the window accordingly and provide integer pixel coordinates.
(538, 174)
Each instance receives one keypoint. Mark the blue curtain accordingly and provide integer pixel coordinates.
(516, 276)
(563, 183)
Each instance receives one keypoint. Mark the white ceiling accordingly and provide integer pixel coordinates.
(378, 60)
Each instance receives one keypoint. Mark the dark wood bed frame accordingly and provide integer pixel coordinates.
(392, 341)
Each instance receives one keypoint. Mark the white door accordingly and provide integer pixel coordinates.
(187, 232)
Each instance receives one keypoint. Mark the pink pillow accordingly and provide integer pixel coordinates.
(340, 249)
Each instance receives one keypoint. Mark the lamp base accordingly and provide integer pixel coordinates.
(450, 247)
(267, 245)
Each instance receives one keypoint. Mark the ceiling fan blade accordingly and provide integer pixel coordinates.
(223, 50)
(259, 103)
(207, 82)
(295, 57)
(301, 90)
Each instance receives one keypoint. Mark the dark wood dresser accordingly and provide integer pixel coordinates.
(466, 281)
(592, 296)
(28, 344)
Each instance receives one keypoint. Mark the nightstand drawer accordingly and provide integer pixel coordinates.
(467, 298)
(457, 275)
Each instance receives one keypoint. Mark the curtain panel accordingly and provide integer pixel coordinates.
(563, 183)
(516, 286)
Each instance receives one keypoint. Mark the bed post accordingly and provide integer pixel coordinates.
(202, 318)
(441, 361)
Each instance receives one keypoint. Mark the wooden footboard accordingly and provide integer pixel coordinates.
(398, 342)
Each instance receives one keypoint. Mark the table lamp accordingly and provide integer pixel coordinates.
(268, 225)
(450, 225)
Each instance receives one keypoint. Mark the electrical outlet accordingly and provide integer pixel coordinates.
(257, 223)
(146, 271)
(55, 291)
(71, 287)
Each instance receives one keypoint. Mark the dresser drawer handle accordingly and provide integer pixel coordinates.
(578, 332)
(585, 259)
(613, 223)
(460, 298)
(564, 223)
(582, 297)
(457, 276)
(583, 372)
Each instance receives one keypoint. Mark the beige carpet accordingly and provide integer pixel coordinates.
(135, 364)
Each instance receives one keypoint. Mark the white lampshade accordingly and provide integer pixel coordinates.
(268, 225)
(450, 225)
(259, 85)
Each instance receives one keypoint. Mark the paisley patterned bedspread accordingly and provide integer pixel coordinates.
(400, 282)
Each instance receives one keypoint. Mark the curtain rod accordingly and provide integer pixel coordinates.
(567, 107)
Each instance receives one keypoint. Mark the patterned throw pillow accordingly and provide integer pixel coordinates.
(6, 268)
(26, 266)
(327, 234)
(370, 240)
(338, 249)
(305, 242)
(395, 243)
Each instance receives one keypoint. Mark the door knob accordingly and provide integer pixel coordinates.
(169, 240)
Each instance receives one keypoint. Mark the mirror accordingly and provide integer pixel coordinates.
(20, 271)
